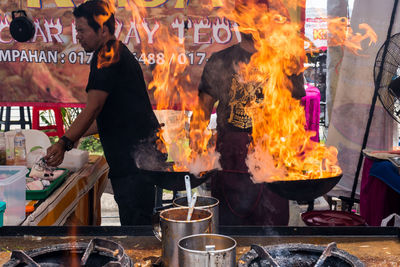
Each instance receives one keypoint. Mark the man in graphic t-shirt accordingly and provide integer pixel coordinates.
(241, 201)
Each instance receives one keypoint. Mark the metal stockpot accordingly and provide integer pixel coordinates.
(173, 226)
(207, 250)
(203, 202)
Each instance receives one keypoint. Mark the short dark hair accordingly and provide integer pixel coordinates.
(93, 8)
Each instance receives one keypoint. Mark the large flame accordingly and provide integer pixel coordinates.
(107, 54)
(169, 85)
(340, 34)
(281, 148)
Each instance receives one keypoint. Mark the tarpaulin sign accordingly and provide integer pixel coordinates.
(52, 67)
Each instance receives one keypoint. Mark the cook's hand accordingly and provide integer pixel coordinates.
(55, 155)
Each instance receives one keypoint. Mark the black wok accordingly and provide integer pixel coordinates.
(175, 181)
(304, 190)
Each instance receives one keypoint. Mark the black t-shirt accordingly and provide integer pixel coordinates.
(220, 80)
(127, 116)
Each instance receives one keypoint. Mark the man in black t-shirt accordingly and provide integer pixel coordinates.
(118, 108)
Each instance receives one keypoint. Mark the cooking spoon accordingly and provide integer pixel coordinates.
(191, 206)
(188, 189)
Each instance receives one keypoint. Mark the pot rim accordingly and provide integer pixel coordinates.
(200, 207)
(207, 252)
(186, 221)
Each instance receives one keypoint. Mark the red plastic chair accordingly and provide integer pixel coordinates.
(58, 128)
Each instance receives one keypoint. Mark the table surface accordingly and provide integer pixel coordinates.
(373, 250)
(62, 202)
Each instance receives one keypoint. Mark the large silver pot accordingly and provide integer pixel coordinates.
(173, 226)
(203, 202)
(207, 250)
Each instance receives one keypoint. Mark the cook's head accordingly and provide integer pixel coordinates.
(95, 23)
(266, 5)
(276, 7)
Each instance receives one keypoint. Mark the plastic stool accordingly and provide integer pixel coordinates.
(58, 127)
(7, 121)
(311, 103)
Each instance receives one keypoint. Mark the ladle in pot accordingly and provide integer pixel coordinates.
(188, 189)
(191, 206)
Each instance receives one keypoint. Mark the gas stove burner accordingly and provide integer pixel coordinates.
(297, 255)
(98, 252)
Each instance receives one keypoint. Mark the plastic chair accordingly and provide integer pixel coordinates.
(311, 103)
(58, 127)
(7, 122)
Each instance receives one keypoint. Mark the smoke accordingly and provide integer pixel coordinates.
(261, 165)
(148, 157)
(202, 164)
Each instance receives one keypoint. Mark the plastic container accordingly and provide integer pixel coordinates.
(12, 191)
(2, 209)
(42, 194)
(74, 159)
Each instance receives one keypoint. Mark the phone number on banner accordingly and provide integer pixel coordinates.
(160, 58)
(82, 57)
(191, 58)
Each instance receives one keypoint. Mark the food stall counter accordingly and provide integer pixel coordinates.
(374, 246)
(76, 201)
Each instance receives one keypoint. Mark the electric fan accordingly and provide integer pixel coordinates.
(389, 86)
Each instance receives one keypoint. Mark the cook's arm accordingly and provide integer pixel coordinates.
(95, 102)
(92, 129)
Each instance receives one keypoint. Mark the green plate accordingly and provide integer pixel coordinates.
(42, 194)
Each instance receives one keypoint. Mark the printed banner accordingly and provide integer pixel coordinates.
(52, 67)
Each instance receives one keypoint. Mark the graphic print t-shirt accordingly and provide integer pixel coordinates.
(220, 79)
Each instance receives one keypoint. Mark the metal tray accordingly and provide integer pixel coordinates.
(42, 194)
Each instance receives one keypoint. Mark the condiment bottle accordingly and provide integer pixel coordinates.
(3, 157)
(9, 149)
(19, 149)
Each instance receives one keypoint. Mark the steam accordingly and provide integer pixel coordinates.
(202, 164)
(148, 157)
(261, 165)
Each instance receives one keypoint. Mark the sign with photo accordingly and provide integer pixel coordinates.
(52, 67)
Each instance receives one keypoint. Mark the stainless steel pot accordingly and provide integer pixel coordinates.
(203, 202)
(173, 226)
(207, 250)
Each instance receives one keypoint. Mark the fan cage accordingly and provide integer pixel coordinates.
(390, 70)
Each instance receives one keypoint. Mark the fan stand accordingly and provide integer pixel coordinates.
(349, 202)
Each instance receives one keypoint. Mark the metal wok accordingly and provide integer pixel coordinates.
(304, 190)
(175, 181)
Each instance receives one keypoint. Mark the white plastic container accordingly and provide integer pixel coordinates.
(12, 191)
(74, 159)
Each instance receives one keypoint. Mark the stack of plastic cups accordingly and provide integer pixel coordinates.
(311, 103)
